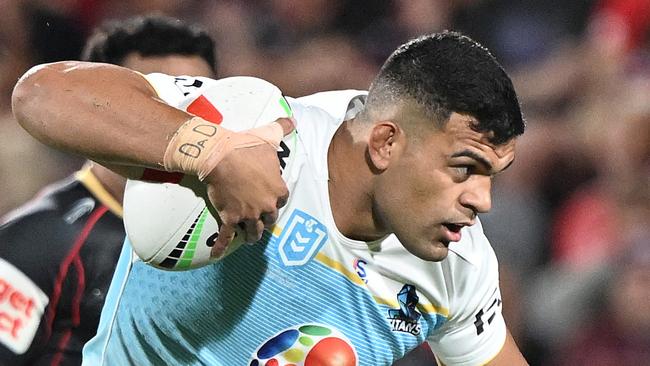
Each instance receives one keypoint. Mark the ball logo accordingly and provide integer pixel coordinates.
(182, 255)
(187, 84)
(283, 155)
(306, 345)
(301, 240)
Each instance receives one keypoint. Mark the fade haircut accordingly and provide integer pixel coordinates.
(152, 35)
(449, 72)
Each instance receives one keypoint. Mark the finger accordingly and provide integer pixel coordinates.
(254, 230)
(209, 195)
(226, 234)
(283, 199)
(287, 124)
(213, 211)
(269, 218)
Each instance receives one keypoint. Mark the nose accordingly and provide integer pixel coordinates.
(478, 196)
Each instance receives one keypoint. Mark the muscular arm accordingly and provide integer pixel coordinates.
(509, 354)
(104, 112)
(110, 114)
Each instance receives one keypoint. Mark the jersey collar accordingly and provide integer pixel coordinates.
(90, 181)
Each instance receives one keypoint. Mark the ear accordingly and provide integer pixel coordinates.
(383, 144)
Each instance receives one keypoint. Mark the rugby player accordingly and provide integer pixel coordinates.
(378, 247)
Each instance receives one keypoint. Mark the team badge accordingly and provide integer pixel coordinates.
(301, 239)
(406, 318)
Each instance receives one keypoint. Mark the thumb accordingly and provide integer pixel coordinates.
(287, 124)
(273, 132)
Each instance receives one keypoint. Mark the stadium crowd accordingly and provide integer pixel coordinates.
(570, 221)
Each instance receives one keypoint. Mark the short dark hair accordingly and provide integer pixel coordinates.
(449, 72)
(152, 35)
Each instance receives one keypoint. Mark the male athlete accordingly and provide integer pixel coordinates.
(377, 248)
(58, 252)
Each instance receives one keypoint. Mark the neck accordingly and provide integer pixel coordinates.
(350, 187)
(112, 182)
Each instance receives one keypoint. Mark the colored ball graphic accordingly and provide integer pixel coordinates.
(306, 345)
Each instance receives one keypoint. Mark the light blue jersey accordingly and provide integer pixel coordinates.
(305, 294)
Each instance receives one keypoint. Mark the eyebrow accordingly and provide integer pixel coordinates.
(475, 156)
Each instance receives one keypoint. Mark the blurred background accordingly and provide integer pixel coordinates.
(570, 220)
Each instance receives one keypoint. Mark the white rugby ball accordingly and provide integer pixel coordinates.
(168, 225)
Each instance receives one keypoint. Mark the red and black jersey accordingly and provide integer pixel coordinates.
(57, 257)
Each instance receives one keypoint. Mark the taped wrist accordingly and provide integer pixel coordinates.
(198, 145)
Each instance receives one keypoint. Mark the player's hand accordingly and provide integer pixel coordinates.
(246, 189)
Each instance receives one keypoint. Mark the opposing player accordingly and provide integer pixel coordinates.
(378, 248)
(58, 252)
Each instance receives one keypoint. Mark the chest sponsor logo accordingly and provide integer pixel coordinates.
(308, 345)
(406, 319)
(301, 239)
(21, 308)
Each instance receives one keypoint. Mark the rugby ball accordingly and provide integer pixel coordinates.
(168, 225)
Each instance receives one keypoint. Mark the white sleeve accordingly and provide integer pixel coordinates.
(476, 331)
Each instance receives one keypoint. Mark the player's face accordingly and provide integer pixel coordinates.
(170, 64)
(437, 185)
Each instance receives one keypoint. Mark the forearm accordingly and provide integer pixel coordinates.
(104, 112)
